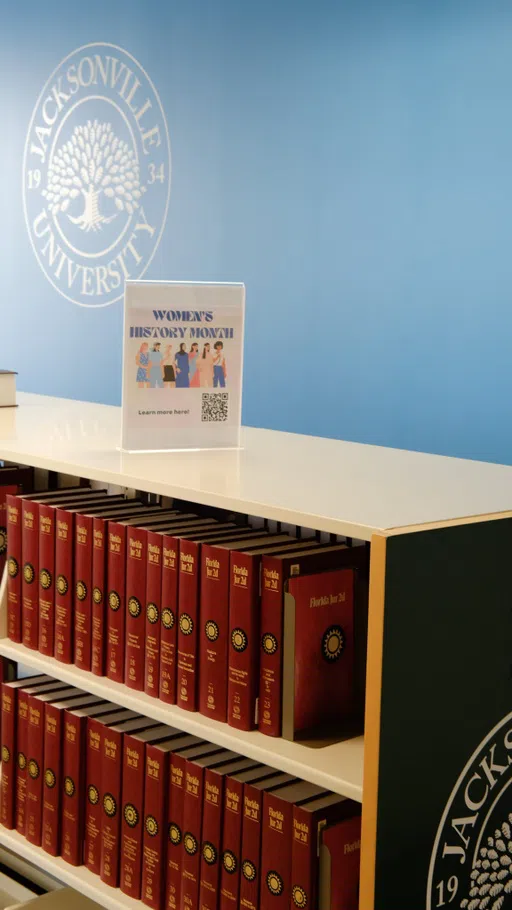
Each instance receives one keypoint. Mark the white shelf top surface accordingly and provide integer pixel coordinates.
(340, 487)
(77, 877)
(337, 767)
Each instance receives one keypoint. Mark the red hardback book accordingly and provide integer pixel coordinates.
(112, 782)
(193, 801)
(175, 810)
(187, 669)
(231, 859)
(136, 571)
(156, 790)
(64, 571)
(98, 793)
(15, 562)
(309, 819)
(211, 847)
(30, 556)
(35, 759)
(169, 615)
(98, 589)
(9, 748)
(116, 579)
(74, 773)
(47, 575)
(132, 821)
(83, 585)
(214, 622)
(340, 854)
(94, 787)
(244, 632)
(52, 790)
(46, 579)
(319, 690)
(153, 608)
(13, 480)
(275, 572)
(29, 581)
(276, 842)
(136, 561)
(252, 813)
(153, 611)
(13, 506)
(21, 747)
(5, 490)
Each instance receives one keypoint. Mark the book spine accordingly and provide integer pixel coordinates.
(188, 620)
(175, 833)
(304, 860)
(51, 821)
(211, 840)
(112, 750)
(168, 620)
(116, 583)
(153, 604)
(35, 762)
(4, 492)
(134, 756)
(21, 761)
(276, 847)
(271, 647)
(64, 624)
(192, 818)
(231, 842)
(251, 848)
(29, 582)
(73, 772)
(14, 558)
(93, 796)
(98, 587)
(213, 632)
(136, 557)
(244, 626)
(83, 591)
(155, 792)
(341, 844)
(46, 580)
(8, 780)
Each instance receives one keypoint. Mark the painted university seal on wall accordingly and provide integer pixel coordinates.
(96, 174)
(471, 864)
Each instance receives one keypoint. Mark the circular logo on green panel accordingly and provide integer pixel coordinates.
(471, 862)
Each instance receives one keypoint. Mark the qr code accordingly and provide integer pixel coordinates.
(214, 406)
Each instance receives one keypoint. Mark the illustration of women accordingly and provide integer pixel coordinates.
(169, 374)
(156, 373)
(205, 368)
(142, 361)
(192, 360)
(181, 362)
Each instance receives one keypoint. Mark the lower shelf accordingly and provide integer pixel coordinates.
(77, 877)
(337, 767)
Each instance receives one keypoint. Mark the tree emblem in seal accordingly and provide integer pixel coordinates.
(96, 174)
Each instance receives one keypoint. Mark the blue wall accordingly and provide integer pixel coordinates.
(350, 160)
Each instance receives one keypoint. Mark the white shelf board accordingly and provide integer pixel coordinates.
(338, 767)
(335, 486)
(77, 877)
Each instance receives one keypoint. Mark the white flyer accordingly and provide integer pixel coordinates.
(182, 365)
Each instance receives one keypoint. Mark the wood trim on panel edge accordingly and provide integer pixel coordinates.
(372, 722)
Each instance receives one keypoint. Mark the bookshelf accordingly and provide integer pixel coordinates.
(439, 676)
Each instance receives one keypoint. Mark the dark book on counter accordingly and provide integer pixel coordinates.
(8, 389)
